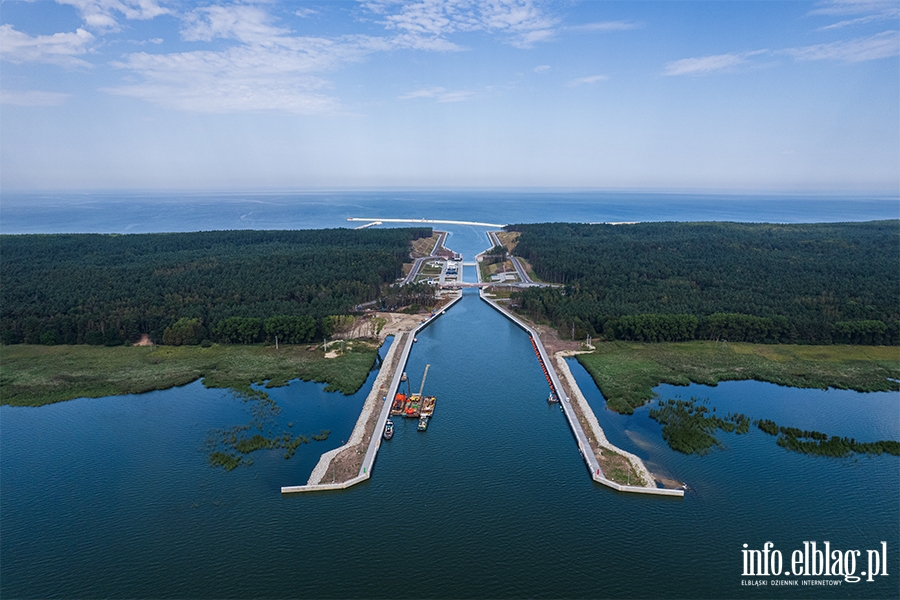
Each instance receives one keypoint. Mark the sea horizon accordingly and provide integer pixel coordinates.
(171, 211)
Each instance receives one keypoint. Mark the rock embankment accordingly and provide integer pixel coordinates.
(596, 436)
(343, 463)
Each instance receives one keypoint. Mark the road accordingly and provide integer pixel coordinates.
(418, 263)
(523, 276)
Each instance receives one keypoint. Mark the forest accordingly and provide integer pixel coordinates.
(187, 288)
(817, 283)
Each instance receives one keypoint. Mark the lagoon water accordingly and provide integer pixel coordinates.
(114, 497)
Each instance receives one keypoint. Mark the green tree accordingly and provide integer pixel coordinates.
(184, 332)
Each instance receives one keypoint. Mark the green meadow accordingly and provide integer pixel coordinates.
(32, 375)
(626, 372)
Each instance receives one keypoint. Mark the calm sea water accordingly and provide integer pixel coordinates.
(142, 213)
(114, 497)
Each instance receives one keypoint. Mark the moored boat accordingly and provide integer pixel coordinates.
(399, 404)
(426, 407)
(388, 429)
(412, 409)
(423, 423)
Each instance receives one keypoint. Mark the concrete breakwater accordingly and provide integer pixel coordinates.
(392, 368)
(588, 452)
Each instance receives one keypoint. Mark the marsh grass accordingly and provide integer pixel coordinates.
(322, 435)
(689, 425)
(627, 372)
(36, 375)
(820, 444)
(227, 461)
(230, 447)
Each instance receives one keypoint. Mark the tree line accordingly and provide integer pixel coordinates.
(182, 288)
(810, 283)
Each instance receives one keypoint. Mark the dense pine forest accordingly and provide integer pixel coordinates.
(184, 288)
(808, 283)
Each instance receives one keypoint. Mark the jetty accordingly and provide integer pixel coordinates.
(588, 451)
(376, 411)
(429, 221)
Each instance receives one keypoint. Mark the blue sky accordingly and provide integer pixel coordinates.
(668, 95)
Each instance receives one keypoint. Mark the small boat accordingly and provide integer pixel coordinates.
(552, 399)
(415, 340)
(388, 429)
(399, 404)
(423, 423)
(427, 406)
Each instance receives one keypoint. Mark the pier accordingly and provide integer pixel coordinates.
(403, 344)
(584, 445)
(430, 221)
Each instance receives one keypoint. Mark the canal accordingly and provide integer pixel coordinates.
(492, 501)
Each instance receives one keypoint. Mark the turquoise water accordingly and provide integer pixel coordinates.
(114, 497)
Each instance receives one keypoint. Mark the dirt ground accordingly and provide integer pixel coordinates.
(395, 323)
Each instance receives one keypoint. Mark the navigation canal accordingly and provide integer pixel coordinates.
(492, 501)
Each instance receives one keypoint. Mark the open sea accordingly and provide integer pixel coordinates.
(114, 497)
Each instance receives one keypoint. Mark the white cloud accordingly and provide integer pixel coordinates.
(246, 78)
(248, 24)
(587, 80)
(872, 11)
(270, 68)
(521, 21)
(32, 98)
(542, 68)
(304, 13)
(853, 7)
(58, 49)
(440, 94)
(100, 14)
(882, 45)
(852, 22)
(704, 65)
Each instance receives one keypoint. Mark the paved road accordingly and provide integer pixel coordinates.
(418, 263)
(523, 276)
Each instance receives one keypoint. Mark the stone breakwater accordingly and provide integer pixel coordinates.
(636, 463)
(370, 410)
(589, 446)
